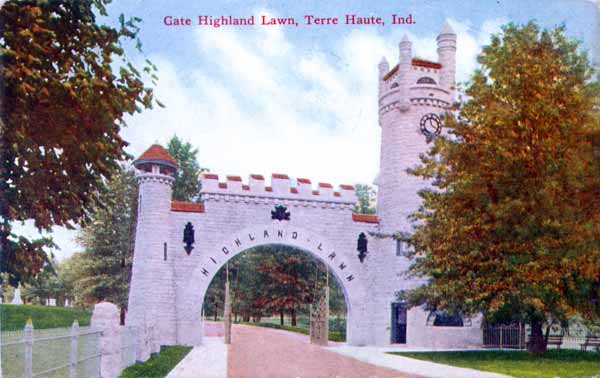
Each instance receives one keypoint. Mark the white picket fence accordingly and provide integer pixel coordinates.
(76, 352)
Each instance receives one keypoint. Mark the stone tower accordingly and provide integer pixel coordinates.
(408, 93)
(412, 97)
(152, 294)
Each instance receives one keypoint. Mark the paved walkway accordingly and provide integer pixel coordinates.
(267, 353)
(380, 357)
(206, 361)
(258, 352)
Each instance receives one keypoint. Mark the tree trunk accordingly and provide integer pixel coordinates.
(537, 343)
(281, 317)
(235, 318)
(216, 312)
(122, 319)
(293, 313)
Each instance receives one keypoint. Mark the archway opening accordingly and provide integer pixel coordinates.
(275, 286)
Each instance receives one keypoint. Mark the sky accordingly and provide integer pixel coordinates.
(300, 100)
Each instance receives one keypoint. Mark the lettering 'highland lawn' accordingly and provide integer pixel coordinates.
(309, 19)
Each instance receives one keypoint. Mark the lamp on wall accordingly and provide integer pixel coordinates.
(188, 237)
(361, 246)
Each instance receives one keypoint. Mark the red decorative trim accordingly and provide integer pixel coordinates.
(280, 176)
(223, 185)
(258, 177)
(391, 73)
(365, 218)
(426, 63)
(210, 176)
(187, 207)
(268, 189)
(234, 178)
(315, 192)
(303, 181)
(325, 185)
(294, 190)
(337, 194)
(157, 152)
(245, 187)
(347, 187)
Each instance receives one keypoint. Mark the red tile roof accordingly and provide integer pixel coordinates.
(245, 187)
(187, 207)
(325, 185)
(415, 62)
(337, 194)
(210, 176)
(294, 190)
(280, 176)
(347, 187)
(234, 178)
(365, 218)
(157, 152)
(315, 192)
(425, 63)
(303, 181)
(268, 189)
(258, 177)
(223, 185)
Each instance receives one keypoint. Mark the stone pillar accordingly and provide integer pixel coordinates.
(28, 353)
(105, 318)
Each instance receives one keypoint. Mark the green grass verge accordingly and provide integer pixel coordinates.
(333, 336)
(159, 365)
(519, 364)
(14, 317)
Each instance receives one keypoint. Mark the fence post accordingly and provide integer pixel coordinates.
(73, 356)
(28, 352)
(501, 336)
(105, 318)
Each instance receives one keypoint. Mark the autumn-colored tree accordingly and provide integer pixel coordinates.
(66, 86)
(512, 220)
(186, 186)
(288, 283)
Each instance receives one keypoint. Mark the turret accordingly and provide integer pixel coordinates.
(151, 287)
(404, 66)
(446, 43)
(384, 68)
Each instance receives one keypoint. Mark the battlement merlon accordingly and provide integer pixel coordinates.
(280, 188)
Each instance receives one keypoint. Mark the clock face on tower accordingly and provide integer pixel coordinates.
(431, 125)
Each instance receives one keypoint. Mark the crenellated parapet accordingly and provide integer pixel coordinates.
(280, 188)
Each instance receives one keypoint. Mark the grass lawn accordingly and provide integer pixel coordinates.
(159, 365)
(520, 364)
(13, 317)
(333, 336)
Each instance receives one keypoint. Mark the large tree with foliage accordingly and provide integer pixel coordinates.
(366, 199)
(186, 185)
(66, 86)
(512, 221)
(108, 242)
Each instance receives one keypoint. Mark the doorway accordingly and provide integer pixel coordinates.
(399, 323)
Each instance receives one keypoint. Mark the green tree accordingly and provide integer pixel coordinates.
(366, 199)
(186, 186)
(513, 218)
(66, 86)
(45, 285)
(109, 243)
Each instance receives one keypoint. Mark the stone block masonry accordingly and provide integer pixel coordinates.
(172, 271)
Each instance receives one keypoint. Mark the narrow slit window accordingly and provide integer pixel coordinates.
(165, 251)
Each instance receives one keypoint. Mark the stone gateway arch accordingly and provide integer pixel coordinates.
(180, 246)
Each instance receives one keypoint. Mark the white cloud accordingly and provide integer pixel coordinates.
(256, 102)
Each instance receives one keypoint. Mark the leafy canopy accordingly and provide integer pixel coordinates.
(67, 85)
(512, 219)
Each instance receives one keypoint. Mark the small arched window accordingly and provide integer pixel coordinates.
(426, 80)
(394, 85)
